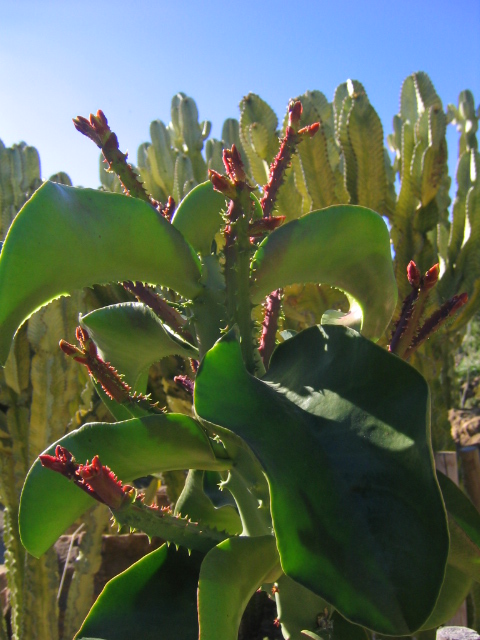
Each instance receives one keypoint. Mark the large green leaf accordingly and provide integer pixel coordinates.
(132, 449)
(156, 598)
(230, 575)
(131, 337)
(345, 246)
(341, 429)
(65, 239)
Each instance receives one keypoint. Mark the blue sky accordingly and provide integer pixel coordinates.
(60, 59)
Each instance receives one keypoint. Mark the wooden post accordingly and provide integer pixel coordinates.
(446, 461)
(470, 459)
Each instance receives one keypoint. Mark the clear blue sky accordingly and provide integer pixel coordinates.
(60, 59)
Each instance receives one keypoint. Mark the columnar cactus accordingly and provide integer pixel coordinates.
(40, 391)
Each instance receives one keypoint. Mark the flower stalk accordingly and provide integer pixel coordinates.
(238, 249)
(127, 504)
(160, 307)
(97, 129)
(408, 334)
(103, 372)
(281, 162)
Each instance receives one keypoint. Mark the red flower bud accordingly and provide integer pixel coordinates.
(413, 274)
(221, 183)
(294, 113)
(264, 225)
(102, 482)
(62, 462)
(430, 279)
(69, 349)
(310, 130)
(234, 165)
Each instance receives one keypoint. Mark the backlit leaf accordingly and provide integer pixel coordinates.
(345, 246)
(65, 239)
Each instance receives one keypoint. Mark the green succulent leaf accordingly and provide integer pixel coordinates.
(229, 576)
(258, 134)
(194, 503)
(340, 427)
(131, 337)
(65, 239)
(455, 588)
(155, 598)
(135, 448)
(298, 608)
(316, 166)
(345, 246)
(464, 527)
(199, 216)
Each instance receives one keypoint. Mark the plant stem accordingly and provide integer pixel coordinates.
(251, 512)
(208, 308)
(282, 160)
(244, 306)
(164, 524)
(270, 325)
(96, 128)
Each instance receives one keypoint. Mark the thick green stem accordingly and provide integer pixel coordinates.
(209, 307)
(254, 515)
(166, 525)
(244, 306)
(247, 484)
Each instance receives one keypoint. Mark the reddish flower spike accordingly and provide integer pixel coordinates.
(100, 370)
(186, 383)
(103, 483)
(62, 462)
(234, 165)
